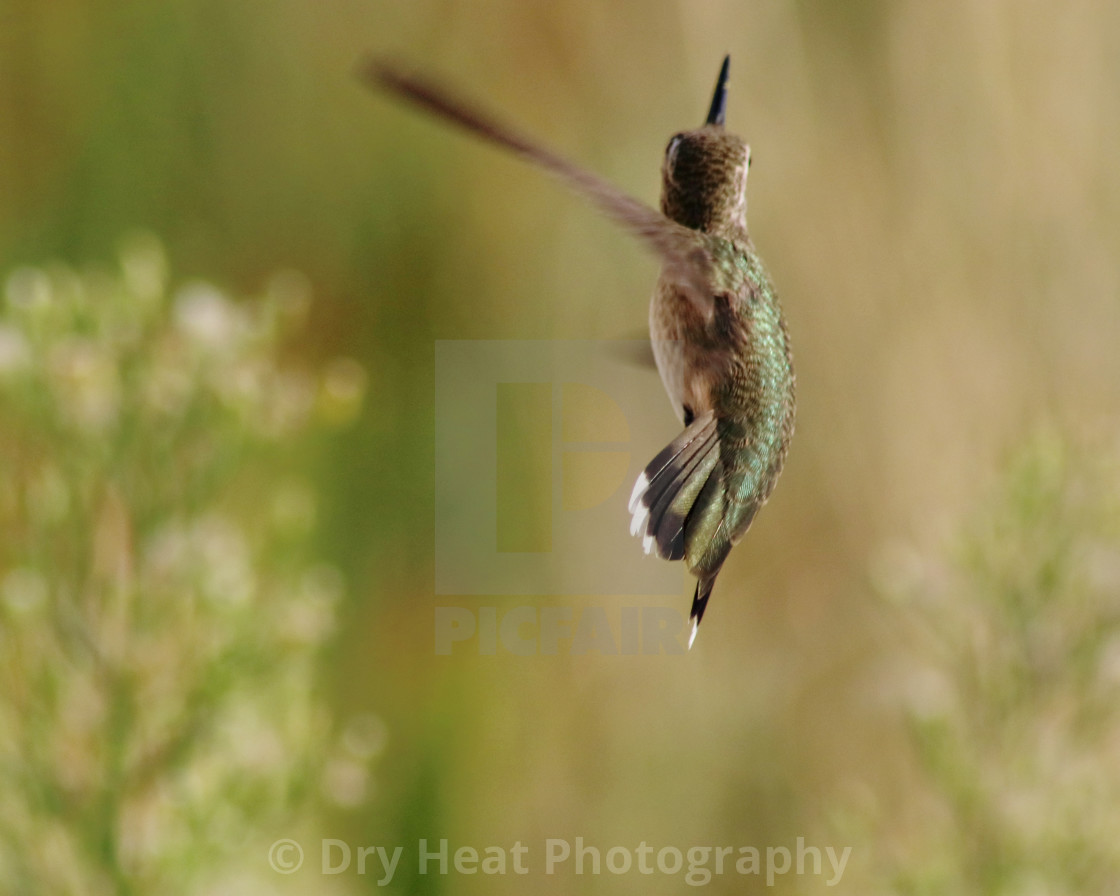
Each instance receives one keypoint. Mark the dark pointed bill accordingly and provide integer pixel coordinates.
(718, 111)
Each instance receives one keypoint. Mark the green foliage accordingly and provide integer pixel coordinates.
(161, 615)
(1018, 715)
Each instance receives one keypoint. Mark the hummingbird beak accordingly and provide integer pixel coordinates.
(718, 111)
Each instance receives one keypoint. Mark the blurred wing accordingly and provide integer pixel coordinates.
(685, 260)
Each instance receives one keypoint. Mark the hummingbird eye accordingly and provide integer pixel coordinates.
(671, 149)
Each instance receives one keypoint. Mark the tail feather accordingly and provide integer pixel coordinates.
(682, 445)
(700, 603)
(666, 490)
(681, 488)
(672, 506)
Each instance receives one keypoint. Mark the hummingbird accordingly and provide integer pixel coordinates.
(718, 334)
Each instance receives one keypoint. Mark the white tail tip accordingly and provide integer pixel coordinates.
(639, 489)
(639, 520)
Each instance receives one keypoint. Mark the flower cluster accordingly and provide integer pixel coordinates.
(1011, 682)
(161, 610)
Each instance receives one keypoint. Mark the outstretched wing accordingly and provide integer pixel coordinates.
(686, 260)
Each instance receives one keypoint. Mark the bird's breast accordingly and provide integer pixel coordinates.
(677, 333)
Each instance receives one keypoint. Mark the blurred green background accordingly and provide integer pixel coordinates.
(914, 653)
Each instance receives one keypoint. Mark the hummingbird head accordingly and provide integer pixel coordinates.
(704, 175)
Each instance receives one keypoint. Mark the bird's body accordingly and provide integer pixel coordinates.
(730, 378)
(718, 335)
